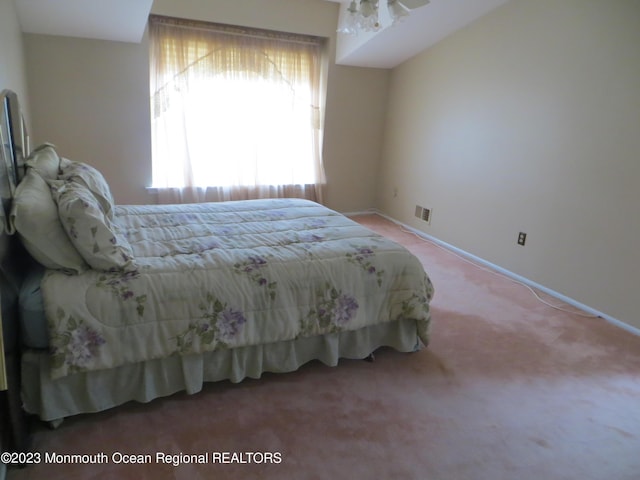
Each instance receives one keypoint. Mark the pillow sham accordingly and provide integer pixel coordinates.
(34, 215)
(45, 160)
(89, 229)
(91, 178)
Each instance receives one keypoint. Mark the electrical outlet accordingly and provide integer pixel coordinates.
(522, 238)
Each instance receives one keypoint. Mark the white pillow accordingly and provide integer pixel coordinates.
(89, 229)
(34, 215)
(45, 160)
(92, 179)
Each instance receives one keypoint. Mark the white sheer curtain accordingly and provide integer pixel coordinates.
(235, 113)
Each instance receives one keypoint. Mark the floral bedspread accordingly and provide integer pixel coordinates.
(224, 275)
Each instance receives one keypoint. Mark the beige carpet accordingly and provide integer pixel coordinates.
(509, 388)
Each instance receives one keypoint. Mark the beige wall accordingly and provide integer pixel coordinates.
(90, 98)
(12, 62)
(528, 120)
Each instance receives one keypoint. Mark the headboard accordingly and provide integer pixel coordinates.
(14, 147)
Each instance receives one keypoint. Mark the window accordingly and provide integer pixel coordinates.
(235, 112)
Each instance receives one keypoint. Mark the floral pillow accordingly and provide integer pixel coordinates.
(92, 179)
(89, 229)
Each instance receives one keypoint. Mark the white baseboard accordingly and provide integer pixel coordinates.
(507, 273)
(370, 211)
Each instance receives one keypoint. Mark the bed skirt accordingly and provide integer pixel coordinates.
(53, 400)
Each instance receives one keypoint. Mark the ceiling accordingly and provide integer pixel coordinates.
(423, 28)
(118, 20)
(125, 20)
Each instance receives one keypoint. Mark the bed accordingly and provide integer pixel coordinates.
(125, 303)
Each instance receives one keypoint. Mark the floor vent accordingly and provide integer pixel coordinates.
(423, 213)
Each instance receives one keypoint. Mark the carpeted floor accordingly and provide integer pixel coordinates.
(509, 388)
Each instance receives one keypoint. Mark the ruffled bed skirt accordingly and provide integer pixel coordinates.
(53, 400)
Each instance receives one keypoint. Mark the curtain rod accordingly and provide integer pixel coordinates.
(235, 30)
